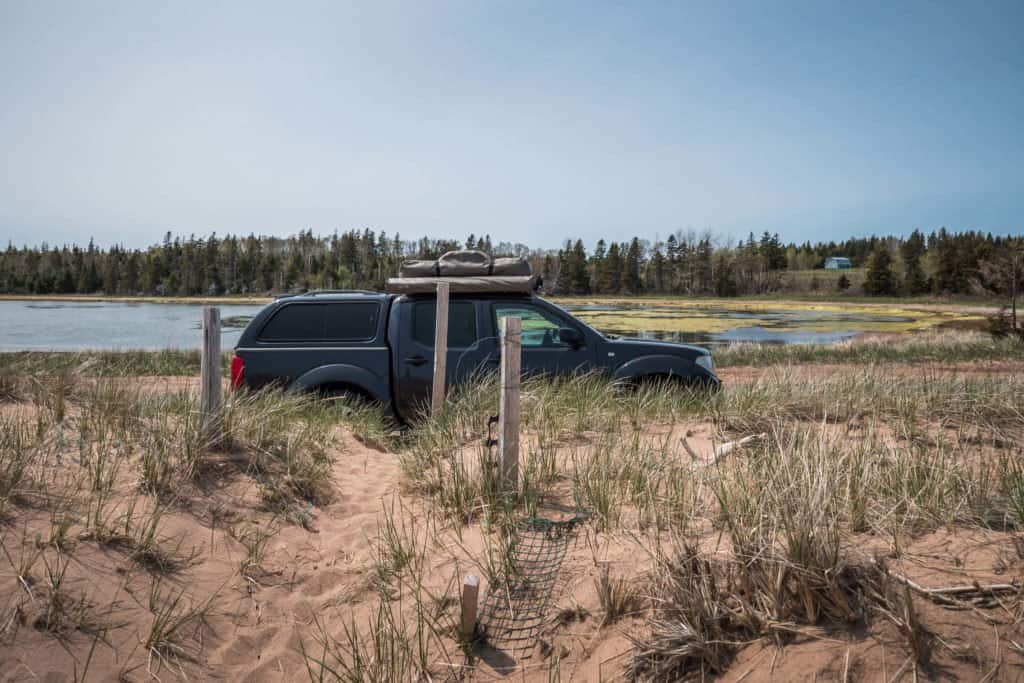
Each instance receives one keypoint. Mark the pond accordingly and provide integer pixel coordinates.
(77, 325)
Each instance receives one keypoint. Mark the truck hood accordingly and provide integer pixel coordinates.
(651, 347)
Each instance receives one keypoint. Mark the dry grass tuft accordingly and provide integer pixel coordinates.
(618, 596)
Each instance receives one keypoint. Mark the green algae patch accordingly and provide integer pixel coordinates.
(643, 321)
(674, 316)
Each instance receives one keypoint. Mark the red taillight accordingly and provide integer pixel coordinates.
(237, 371)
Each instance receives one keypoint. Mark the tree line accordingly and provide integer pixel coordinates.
(685, 263)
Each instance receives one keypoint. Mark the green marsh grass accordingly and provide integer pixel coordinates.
(941, 346)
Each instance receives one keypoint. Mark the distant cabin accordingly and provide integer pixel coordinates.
(837, 263)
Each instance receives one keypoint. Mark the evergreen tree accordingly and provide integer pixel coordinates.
(656, 271)
(563, 284)
(724, 280)
(943, 261)
(598, 263)
(880, 280)
(912, 251)
(613, 270)
(579, 278)
(631, 274)
(112, 272)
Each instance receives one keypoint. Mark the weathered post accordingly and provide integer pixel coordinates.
(440, 349)
(209, 376)
(470, 591)
(508, 436)
(1014, 274)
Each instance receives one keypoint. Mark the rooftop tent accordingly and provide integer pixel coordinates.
(465, 271)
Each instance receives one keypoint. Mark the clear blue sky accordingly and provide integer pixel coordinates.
(531, 121)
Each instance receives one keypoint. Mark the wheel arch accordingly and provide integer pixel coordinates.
(344, 377)
(661, 366)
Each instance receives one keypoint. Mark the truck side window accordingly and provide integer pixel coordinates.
(342, 321)
(461, 323)
(351, 321)
(295, 322)
(539, 327)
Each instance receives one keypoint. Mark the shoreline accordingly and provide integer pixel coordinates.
(912, 303)
(101, 298)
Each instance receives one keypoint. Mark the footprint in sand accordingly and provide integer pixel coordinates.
(323, 582)
(249, 647)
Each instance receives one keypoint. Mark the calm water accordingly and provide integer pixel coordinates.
(66, 326)
(61, 325)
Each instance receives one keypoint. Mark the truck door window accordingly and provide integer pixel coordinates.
(540, 328)
(461, 323)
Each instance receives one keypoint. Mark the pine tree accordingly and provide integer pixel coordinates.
(724, 280)
(631, 274)
(579, 278)
(880, 279)
(598, 264)
(914, 280)
(656, 271)
(563, 283)
(613, 270)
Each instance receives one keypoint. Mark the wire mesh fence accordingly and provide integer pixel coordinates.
(515, 608)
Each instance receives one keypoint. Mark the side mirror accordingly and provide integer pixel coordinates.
(570, 336)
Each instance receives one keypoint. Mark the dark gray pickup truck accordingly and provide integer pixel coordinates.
(381, 346)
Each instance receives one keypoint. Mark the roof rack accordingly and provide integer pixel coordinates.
(316, 292)
(466, 284)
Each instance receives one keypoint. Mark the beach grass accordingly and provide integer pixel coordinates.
(143, 363)
(775, 511)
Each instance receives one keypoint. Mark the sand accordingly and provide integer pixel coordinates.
(262, 625)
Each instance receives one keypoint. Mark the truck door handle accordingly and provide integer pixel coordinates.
(415, 360)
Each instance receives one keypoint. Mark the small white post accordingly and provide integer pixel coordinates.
(470, 591)
(209, 374)
(440, 349)
(508, 436)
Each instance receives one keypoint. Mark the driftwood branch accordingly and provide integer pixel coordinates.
(969, 595)
(720, 451)
(729, 446)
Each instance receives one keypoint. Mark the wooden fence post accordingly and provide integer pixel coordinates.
(440, 349)
(508, 436)
(470, 590)
(209, 376)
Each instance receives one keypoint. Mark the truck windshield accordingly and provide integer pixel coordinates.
(579, 322)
